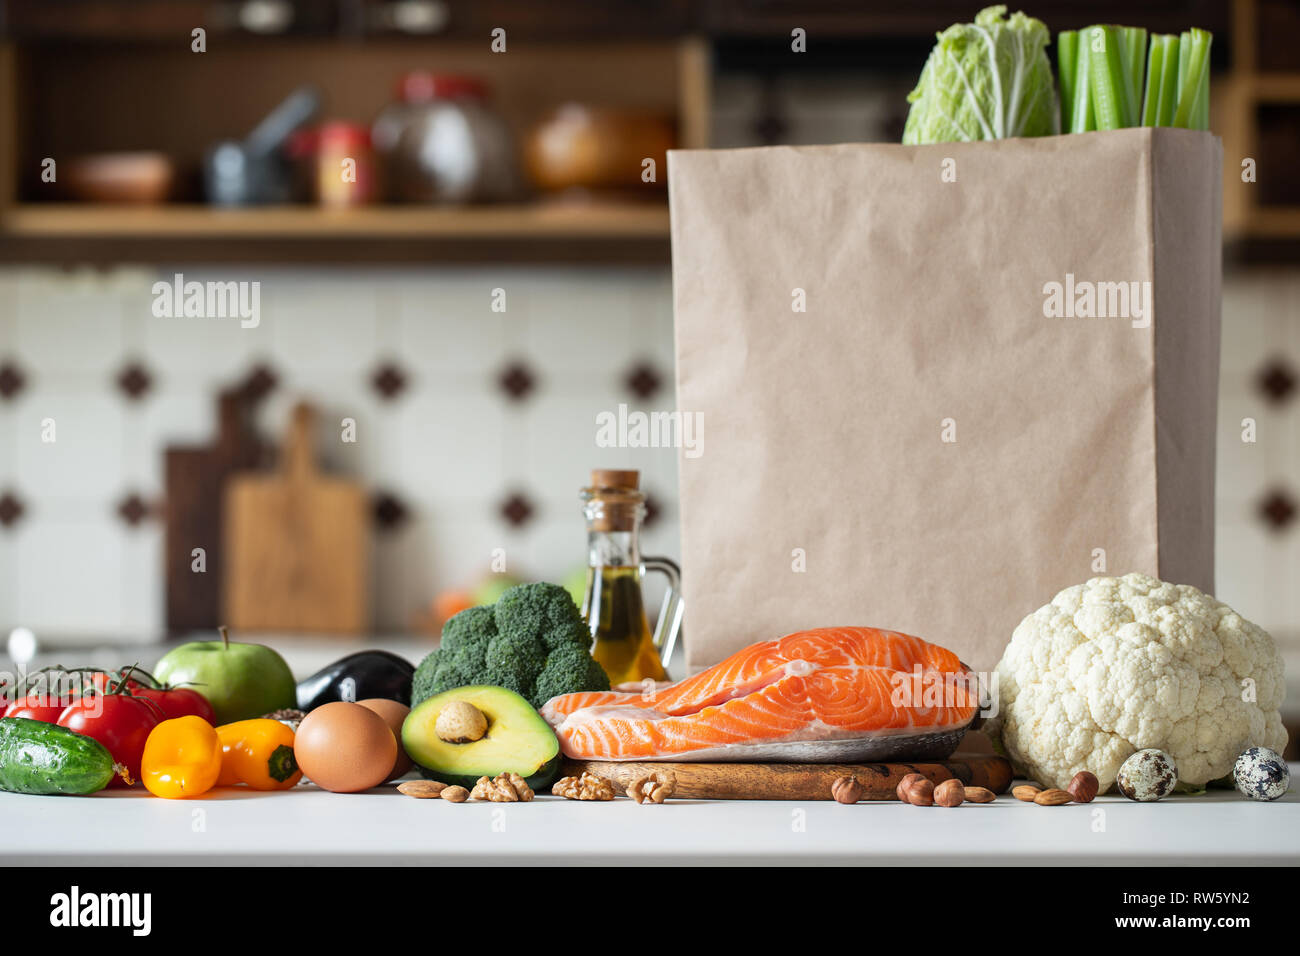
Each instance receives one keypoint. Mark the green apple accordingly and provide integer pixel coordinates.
(239, 680)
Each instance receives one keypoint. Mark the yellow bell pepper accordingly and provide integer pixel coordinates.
(182, 758)
(258, 753)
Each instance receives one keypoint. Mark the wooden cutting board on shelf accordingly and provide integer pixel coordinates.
(194, 478)
(799, 781)
(297, 545)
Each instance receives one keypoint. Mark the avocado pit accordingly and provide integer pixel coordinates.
(460, 722)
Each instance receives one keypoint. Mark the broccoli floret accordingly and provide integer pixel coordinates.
(471, 627)
(544, 610)
(425, 678)
(532, 641)
(568, 670)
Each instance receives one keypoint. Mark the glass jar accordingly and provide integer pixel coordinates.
(441, 142)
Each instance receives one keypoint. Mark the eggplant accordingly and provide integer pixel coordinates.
(358, 676)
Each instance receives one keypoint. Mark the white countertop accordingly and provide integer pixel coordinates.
(306, 825)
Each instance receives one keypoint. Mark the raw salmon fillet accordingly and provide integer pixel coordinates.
(825, 694)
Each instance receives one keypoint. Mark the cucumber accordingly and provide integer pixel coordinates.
(36, 757)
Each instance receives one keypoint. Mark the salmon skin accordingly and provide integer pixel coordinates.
(827, 695)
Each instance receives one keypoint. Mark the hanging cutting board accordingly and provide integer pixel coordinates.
(297, 545)
(799, 781)
(194, 480)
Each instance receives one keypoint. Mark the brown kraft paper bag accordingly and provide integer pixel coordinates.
(943, 437)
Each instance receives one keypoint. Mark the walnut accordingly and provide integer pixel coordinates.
(655, 787)
(503, 788)
(589, 786)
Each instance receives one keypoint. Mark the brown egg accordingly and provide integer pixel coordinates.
(394, 714)
(345, 747)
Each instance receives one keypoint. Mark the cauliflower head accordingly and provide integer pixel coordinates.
(1117, 665)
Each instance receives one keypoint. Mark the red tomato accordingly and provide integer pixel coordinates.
(119, 722)
(39, 707)
(180, 702)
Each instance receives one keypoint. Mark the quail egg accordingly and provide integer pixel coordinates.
(1261, 774)
(1147, 775)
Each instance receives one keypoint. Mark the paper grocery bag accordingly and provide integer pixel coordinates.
(937, 384)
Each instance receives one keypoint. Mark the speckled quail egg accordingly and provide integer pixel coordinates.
(1147, 775)
(1261, 774)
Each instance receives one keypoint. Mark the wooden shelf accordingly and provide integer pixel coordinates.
(541, 221)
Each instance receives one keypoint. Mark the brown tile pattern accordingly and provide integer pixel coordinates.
(1276, 381)
(517, 510)
(643, 380)
(12, 380)
(1278, 509)
(388, 510)
(134, 381)
(388, 381)
(11, 509)
(517, 381)
(133, 509)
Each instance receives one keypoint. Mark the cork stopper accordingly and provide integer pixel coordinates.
(614, 501)
(602, 478)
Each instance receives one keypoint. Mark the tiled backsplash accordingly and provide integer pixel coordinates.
(475, 427)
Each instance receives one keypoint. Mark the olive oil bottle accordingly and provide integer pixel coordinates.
(613, 604)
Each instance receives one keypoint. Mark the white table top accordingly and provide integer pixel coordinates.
(306, 825)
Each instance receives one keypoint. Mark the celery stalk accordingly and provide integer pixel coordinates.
(1110, 87)
(1155, 73)
(1169, 82)
(1132, 51)
(1194, 83)
(1184, 51)
(1067, 62)
(1082, 117)
(1203, 97)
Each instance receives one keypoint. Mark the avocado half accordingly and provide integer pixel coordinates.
(517, 740)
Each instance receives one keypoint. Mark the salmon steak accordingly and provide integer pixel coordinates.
(825, 695)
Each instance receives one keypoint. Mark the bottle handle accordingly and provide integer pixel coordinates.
(670, 612)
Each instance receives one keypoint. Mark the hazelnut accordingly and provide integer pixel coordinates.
(920, 793)
(905, 784)
(460, 722)
(980, 795)
(950, 793)
(847, 790)
(1083, 787)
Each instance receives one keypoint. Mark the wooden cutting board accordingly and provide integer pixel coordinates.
(297, 545)
(194, 479)
(800, 781)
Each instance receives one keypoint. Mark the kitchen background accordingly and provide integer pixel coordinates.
(475, 425)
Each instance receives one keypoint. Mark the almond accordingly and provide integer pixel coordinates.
(421, 789)
(454, 794)
(980, 795)
(1053, 798)
(1026, 792)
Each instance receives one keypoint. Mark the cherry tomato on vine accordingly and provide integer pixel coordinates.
(118, 721)
(40, 706)
(179, 702)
